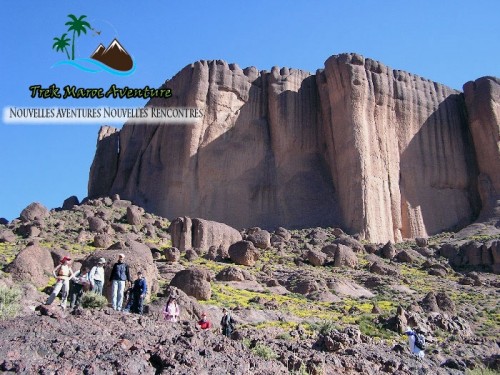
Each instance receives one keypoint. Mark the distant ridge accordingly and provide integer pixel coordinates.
(114, 56)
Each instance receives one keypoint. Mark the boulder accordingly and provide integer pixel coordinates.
(70, 202)
(429, 303)
(283, 233)
(471, 253)
(194, 282)
(138, 257)
(380, 268)
(421, 241)
(316, 258)
(348, 241)
(388, 251)
(3, 221)
(233, 274)
(261, 239)
(34, 211)
(407, 256)
(445, 303)
(103, 240)
(344, 256)
(33, 264)
(191, 255)
(172, 254)
(134, 215)
(244, 253)
(200, 234)
(96, 224)
(6, 235)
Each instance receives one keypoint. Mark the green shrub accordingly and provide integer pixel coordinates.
(264, 351)
(284, 336)
(93, 300)
(324, 327)
(9, 302)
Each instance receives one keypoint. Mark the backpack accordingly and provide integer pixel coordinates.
(420, 341)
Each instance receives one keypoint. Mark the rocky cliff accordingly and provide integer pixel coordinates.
(379, 152)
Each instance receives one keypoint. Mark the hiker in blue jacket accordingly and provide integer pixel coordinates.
(138, 294)
(119, 275)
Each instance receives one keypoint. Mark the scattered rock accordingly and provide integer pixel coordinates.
(350, 242)
(380, 268)
(6, 235)
(421, 241)
(407, 256)
(283, 233)
(191, 255)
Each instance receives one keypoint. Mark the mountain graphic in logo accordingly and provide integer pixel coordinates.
(115, 56)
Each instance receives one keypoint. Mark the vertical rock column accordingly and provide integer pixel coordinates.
(483, 106)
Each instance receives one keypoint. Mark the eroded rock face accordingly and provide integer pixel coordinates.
(33, 264)
(379, 152)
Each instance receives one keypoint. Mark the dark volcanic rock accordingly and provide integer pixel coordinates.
(34, 211)
(244, 253)
(194, 282)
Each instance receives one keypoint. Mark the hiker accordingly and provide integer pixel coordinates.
(171, 312)
(226, 323)
(414, 342)
(96, 276)
(204, 323)
(119, 276)
(63, 273)
(78, 285)
(138, 294)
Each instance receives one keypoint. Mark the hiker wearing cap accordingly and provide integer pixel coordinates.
(138, 294)
(78, 285)
(96, 276)
(63, 273)
(204, 323)
(172, 311)
(226, 323)
(416, 342)
(119, 276)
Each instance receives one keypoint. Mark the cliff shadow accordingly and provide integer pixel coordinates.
(264, 172)
(438, 173)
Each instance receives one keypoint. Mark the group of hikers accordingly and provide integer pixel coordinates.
(74, 284)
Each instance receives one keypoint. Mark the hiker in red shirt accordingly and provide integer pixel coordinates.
(204, 323)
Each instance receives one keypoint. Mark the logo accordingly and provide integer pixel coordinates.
(113, 59)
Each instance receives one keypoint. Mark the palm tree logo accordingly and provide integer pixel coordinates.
(61, 44)
(77, 25)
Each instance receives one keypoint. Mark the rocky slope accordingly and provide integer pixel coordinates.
(311, 301)
(379, 152)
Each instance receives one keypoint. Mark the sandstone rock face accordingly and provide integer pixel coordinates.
(201, 234)
(379, 152)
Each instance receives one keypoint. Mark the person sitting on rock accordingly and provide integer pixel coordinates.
(204, 323)
(138, 294)
(78, 285)
(96, 276)
(172, 311)
(226, 323)
(63, 273)
(414, 349)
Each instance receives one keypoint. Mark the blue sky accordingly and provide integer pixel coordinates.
(450, 42)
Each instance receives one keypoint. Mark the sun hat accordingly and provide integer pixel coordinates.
(64, 259)
(101, 260)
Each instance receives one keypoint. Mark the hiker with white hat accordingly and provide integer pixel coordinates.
(416, 342)
(96, 276)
